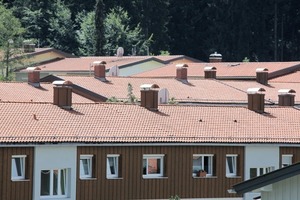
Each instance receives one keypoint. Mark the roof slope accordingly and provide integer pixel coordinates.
(267, 179)
(230, 70)
(103, 122)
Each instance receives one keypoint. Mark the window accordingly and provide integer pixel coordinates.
(231, 165)
(18, 167)
(112, 166)
(153, 165)
(254, 172)
(54, 183)
(286, 160)
(202, 163)
(86, 162)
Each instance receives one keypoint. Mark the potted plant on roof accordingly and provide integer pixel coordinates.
(201, 173)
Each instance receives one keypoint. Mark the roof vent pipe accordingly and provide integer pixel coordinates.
(99, 70)
(34, 76)
(215, 57)
(149, 96)
(210, 72)
(262, 75)
(256, 99)
(62, 94)
(286, 97)
(181, 71)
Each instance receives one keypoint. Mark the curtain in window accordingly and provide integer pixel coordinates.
(112, 165)
(85, 167)
(45, 182)
(231, 165)
(63, 181)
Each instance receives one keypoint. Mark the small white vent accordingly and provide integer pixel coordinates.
(163, 96)
(114, 71)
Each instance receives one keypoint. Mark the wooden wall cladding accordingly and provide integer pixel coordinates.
(178, 173)
(12, 190)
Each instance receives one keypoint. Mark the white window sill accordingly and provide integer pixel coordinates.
(196, 177)
(18, 180)
(88, 179)
(154, 177)
(230, 176)
(114, 178)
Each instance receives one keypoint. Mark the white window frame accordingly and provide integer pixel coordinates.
(285, 164)
(146, 158)
(89, 166)
(116, 166)
(210, 171)
(58, 184)
(261, 171)
(234, 159)
(14, 171)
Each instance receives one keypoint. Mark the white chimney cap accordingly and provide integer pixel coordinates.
(286, 91)
(181, 65)
(262, 70)
(148, 86)
(32, 68)
(255, 90)
(215, 55)
(210, 68)
(62, 82)
(99, 62)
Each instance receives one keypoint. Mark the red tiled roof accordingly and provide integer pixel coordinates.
(204, 90)
(23, 92)
(38, 122)
(243, 69)
(289, 78)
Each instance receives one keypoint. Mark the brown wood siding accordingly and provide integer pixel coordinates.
(12, 190)
(295, 151)
(177, 170)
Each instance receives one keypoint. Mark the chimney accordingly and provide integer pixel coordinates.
(28, 46)
(215, 57)
(256, 99)
(262, 75)
(99, 70)
(286, 97)
(181, 71)
(210, 72)
(149, 96)
(63, 94)
(33, 76)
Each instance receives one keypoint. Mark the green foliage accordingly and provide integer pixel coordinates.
(176, 197)
(164, 53)
(172, 100)
(120, 33)
(61, 28)
(246, 59)
(86, 35)
(112, 100)
(99, 27)
(10, 37)
(131, 97)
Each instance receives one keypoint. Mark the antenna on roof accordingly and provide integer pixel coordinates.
(120, 51)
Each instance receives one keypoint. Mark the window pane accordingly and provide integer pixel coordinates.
(286, 160)
(230, 164)
(111, 162)
(144, 166)
(63, 177)
(208, 164)
(253, 172)
(197, 164)
(55, 182)
(153, 166)
(45, 182)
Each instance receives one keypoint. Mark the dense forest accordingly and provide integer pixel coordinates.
(259, 30)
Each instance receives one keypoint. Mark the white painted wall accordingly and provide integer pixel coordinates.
(287, 189)
(54, 157)
(259, 156)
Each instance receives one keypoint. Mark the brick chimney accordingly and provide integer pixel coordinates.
(34, 76)
(256, 99)
(28, 46)
(215, 57)
(262, 75)
(181, 71)
(149, 96)
(210, 72)
(99, 70)
(286, 97)
(62, 94)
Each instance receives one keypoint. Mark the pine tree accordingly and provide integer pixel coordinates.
(99, 25)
